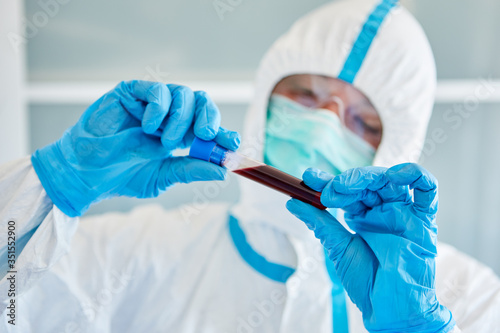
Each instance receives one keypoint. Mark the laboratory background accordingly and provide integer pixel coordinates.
(58, 56)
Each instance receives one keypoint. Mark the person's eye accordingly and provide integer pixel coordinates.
(300, 91)
(372, 129)
(306, 98)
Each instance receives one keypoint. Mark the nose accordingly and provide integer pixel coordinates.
(335, 104)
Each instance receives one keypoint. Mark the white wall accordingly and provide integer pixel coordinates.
(13, 129)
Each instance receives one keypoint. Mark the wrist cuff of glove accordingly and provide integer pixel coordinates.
(62, 184)
(440, 321)
(450, 325)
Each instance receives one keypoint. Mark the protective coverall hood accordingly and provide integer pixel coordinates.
(397, 74)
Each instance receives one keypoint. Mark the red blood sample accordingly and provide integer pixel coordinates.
(282, 182)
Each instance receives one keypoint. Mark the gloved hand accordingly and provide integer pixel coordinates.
(387, 267)
(123, 144)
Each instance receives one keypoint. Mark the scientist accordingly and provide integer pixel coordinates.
(348, 90)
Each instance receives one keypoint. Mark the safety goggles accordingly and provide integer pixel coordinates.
(354, 109)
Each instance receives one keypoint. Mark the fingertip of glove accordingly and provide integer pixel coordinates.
(206, 133)
(209, 171)
(404, 170)
(236, 139)
(221, 174)
(228, 139)
(168, 143)
(311, 175)
(289, 204)
(311, 172)
(197, 170)
(412, 174)
(233, 141)
(295, 206)
(149, 127)
(316, 179)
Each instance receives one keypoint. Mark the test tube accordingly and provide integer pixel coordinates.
(256, 171)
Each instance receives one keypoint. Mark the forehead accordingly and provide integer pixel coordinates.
(312, 80)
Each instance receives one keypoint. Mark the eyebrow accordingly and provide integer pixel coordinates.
(300, 87)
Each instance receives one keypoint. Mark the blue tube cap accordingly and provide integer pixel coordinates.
(207, 151)
(202, 149)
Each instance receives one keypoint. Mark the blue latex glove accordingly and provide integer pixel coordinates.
(387, 267)
(123, 144)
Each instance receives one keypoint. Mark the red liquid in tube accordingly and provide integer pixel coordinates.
(282, 182)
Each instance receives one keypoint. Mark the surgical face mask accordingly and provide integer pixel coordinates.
(298, 138)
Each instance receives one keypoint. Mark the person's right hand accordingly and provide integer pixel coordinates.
(123, 144)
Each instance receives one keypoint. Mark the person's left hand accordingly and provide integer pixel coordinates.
(388, 266)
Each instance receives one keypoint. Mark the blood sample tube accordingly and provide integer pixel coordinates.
(256, 171)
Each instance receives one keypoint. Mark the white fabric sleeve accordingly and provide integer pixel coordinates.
(39, 235)
(469, 289)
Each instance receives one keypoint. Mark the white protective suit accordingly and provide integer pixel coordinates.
(196, 269)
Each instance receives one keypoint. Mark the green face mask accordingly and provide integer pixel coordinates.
(298, 138)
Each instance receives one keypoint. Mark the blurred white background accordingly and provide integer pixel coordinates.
(71, 51)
